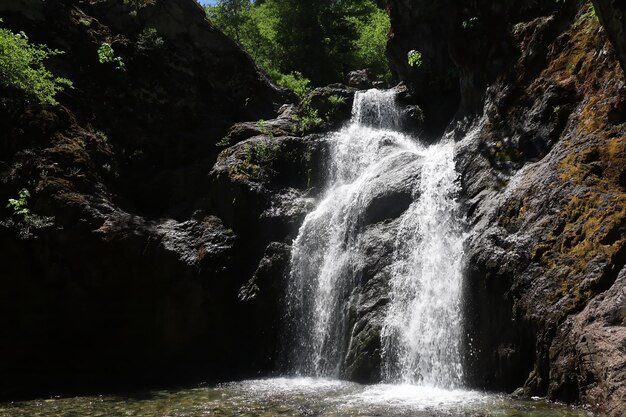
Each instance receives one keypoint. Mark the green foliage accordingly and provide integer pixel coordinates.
(414, 58)
(264, 129)
(230, 16)
(371, 43)
(317, 40)
(21, 67)
(149, 39)
(107, 54)
(19, 205)
(336, 100)
(260, 153)
(308, 119)
(590, 13)
(295, 82)
(22, 219)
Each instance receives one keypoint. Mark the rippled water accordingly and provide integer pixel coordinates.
(294, 397)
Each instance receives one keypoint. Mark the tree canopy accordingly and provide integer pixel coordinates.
(316, 40)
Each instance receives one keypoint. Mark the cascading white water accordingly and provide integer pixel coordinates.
(422, 329)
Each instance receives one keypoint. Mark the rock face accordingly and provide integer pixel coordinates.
(612, 14)
(129, 267)
(541, 149)
(423, 26)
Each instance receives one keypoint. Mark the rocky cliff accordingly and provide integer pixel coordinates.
(540, 119)
(122, 273)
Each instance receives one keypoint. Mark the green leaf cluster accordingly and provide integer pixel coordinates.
(149, 39)
(295, 82)
(336, 100)
(22, 67)
(22, 220)
(107, 54)
(308, 119)
(414, 58)
(19, 205)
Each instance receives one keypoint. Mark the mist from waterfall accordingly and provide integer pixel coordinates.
(421, 334)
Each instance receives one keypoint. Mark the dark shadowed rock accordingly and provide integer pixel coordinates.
(612, 14)
(284, 125)
(134, 280)
(360, 79)
(260, 305)
(594, 343)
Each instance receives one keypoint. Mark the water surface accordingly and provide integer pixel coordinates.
(294, 397)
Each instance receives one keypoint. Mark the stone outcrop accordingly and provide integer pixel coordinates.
(123, 271)
(541, 147)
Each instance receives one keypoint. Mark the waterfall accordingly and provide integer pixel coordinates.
(422, 328)
(422, 331)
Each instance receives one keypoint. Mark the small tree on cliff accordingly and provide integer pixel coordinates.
(22, 67)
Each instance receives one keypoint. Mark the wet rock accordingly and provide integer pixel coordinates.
(388, 195)
(594, 343)
(331, 105)
(360, 79)
(252, 177)
(385, 198)
(287, 211)
(368, 304)
(260, 309)
(284, 125)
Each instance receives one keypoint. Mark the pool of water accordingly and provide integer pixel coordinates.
(294, 397)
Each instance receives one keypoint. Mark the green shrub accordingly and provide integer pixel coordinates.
(308, 119)
(22, 219)
(318, 40)
(149, 39)
(139, 4)
(414, 58)
(295, 82)
(470, 23)
(260, 153)
(19, 205)
(107, 54)
(336, 100)
(265, 129)
(371, 43)
(21, 67)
